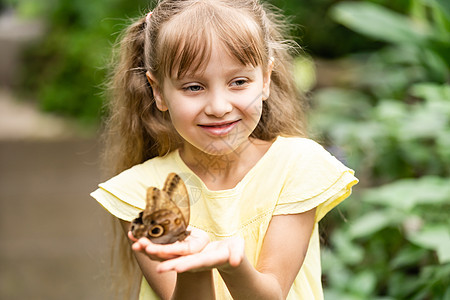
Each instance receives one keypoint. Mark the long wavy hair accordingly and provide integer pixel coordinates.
(177, 38)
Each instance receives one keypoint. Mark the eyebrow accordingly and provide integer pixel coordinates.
(243, 68)
(228, 72)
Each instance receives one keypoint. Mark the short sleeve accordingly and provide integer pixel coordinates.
(315, 179)
(115, 206)
(124, 195)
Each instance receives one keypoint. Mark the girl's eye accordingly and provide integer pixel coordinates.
(239, 82)
(193, 88)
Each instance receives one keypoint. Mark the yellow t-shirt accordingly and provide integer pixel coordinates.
(294, 176)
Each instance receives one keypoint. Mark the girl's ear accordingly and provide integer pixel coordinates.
(266, 78)
(156, 91)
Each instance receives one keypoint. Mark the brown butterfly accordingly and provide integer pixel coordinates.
(166, 215)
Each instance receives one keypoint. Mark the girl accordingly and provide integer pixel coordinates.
(204, 89)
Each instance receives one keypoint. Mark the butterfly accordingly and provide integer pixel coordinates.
(166, 215)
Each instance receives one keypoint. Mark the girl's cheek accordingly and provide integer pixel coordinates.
(255, 103)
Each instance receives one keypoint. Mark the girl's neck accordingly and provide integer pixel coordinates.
(220, 172)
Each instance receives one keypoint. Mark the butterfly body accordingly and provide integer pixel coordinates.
(166, 215)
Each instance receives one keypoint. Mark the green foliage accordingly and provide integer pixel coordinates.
(66, 70)
(396, 246)
(393, 123)
(390, 139)
(318, 33)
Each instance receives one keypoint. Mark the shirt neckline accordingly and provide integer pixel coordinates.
(240, 184)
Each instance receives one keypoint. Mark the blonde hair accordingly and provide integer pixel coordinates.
(178, 38)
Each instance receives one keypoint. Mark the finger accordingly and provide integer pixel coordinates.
(144, 242)
(140, 245)
(157, 252)
(137, 247)
(236, 252)
(195, 242)
(195, 262)
(181, 264)
(189, 246)
(165, 251)
(131, 236)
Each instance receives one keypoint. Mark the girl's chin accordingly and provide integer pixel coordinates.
(220, 147)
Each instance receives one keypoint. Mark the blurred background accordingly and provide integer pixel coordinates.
(376, 74)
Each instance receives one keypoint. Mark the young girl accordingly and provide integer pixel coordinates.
(204, 89)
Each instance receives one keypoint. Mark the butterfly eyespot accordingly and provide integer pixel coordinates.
(156, 231)
(177, 221)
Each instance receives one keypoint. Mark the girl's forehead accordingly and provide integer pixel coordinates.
(186, 46)
(219, 59)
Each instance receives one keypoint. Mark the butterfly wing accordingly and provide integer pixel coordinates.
(157, 200)
(177, 192)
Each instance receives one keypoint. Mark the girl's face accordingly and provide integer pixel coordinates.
(216, 109)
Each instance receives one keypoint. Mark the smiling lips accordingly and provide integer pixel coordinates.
(219, 129)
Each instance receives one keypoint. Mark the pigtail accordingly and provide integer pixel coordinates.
(284, 111)
(135, 130)
(127, 90)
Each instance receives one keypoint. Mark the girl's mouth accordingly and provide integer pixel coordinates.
(220, 128)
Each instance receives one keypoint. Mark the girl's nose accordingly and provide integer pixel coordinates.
(218, 105)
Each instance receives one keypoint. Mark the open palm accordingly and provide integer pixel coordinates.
(195, 253)
(195, 242)
(219, 254)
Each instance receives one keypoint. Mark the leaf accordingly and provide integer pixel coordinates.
(335, 294)
(402, 284)
(443, 148)
(368, 224)
(340, 278)
(405, 194)
(408, 256)
(428, 118)
(432, 92)
(341, 101)
(434, 238)
(390, 111)
(426, 123)
(444, 5)
(416, 152)
(378, 22)
(363, 283)
(348, 251)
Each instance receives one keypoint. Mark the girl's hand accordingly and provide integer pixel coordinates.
(194, 243)
(223, 255)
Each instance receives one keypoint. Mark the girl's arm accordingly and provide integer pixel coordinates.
(170, 285)
(282, 255)
(162, 284)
